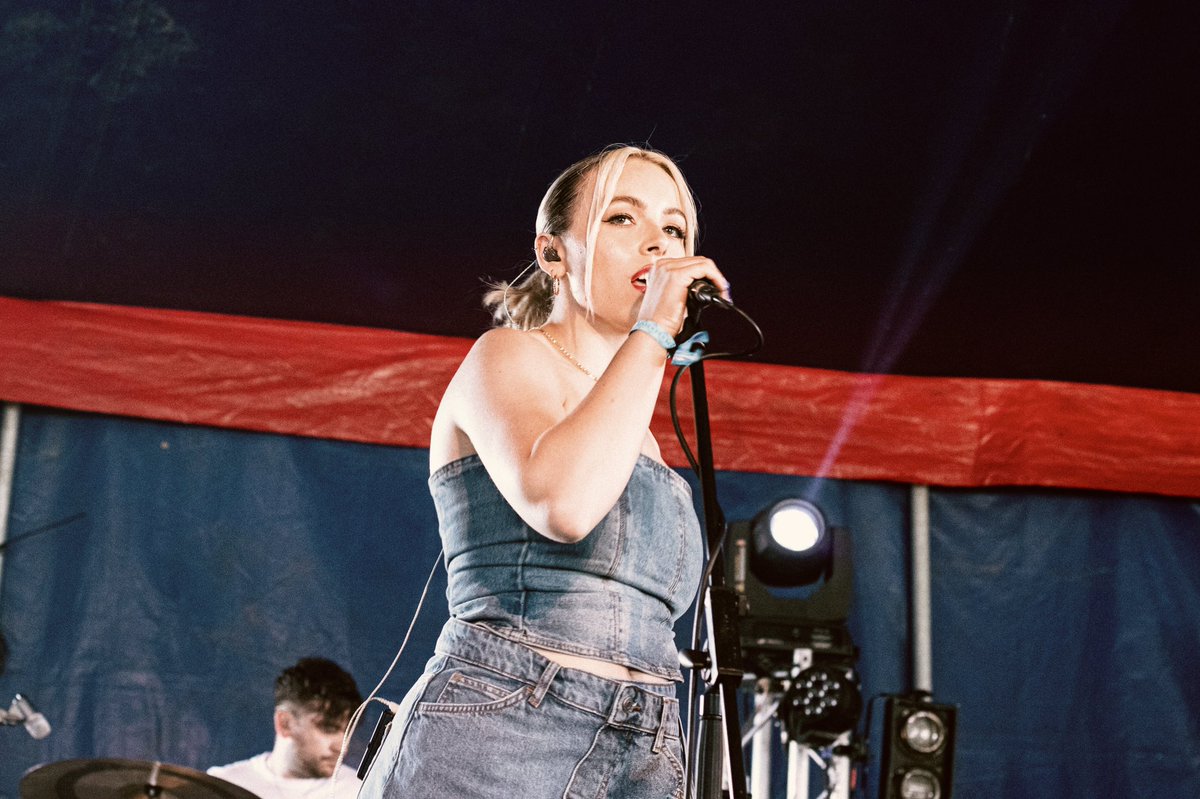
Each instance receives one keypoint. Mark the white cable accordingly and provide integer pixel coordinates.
(760, 720)
(352, 724)
(828, 768)
(504, 298)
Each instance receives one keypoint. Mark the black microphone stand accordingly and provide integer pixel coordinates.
(717, 746)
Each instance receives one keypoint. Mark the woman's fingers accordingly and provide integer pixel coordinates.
(667, 289)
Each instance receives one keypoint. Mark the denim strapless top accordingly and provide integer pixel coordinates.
(614, 595)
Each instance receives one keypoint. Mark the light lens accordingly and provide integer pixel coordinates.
(822, 703)
(923, 732)
(795, 527)
(791, 545)
(918, 783)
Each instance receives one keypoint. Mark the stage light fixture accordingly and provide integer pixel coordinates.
(923, 732)
(918, 783)
(794, 578)
(775, 623)
(822, 702)
(912, 744)
(791, 544)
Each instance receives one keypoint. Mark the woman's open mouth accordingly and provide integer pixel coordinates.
(639, 279)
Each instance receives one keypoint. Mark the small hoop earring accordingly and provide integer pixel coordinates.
(557, 286)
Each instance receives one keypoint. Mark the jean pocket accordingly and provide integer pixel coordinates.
(474, 691)
(676, 762)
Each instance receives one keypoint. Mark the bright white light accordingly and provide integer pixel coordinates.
(794, 528)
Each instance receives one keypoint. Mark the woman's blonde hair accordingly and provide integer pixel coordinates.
(527, 303)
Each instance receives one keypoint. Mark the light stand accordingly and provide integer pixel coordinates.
(774, 706)
(802, 655)
(800, 759)
(911, 737)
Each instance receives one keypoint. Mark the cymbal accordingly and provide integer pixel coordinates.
(125, 779)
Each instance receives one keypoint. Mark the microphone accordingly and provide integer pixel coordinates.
(703, 293)
(22, 711)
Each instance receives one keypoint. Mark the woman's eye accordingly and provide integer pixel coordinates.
(677, 232)
(620, 219)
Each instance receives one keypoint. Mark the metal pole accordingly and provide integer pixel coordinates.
(922, 641)
(760, 748)
(797, 773)
(8, 468)
(841, 770)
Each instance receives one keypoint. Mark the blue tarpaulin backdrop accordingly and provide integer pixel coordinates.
(174, 570)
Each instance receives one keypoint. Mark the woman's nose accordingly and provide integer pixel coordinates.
(655, 243)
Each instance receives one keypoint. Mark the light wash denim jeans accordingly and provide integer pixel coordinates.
(493, 718)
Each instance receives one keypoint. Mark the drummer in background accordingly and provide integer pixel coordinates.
(313, 701)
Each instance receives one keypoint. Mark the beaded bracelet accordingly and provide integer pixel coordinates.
(655, 332)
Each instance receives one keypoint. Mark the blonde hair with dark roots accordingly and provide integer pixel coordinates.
(527, 301)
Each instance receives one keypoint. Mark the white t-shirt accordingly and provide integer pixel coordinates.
(256, 776)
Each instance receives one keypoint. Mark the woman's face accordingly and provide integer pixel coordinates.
(643, 222)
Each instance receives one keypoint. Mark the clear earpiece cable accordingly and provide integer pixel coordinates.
(352, 724)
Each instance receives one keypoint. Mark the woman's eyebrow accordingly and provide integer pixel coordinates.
(641, 206)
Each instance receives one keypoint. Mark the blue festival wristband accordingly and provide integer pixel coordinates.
(655, 332)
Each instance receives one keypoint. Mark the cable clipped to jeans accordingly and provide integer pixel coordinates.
(393, 707)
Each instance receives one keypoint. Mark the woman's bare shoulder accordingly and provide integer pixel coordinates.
(504, 385)
(501, 342)
(504, 359)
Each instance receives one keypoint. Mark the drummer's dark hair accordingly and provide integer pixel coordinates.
(318, 684)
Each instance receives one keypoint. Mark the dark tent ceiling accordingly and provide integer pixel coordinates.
(925, 188)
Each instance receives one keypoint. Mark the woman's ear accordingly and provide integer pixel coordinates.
(546, 251)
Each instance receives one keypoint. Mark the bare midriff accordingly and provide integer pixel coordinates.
(601, 668)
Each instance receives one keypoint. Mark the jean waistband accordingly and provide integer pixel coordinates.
(647, 707)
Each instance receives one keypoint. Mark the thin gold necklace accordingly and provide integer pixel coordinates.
(567, 355)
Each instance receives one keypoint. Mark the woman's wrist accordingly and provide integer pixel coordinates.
(656, 332)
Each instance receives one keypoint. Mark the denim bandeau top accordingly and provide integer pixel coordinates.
(613, 596)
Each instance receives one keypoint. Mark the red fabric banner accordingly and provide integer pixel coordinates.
(382, 387)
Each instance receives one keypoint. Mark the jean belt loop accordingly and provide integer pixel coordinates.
(618, 703)
(543, 684)
(662, 727)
